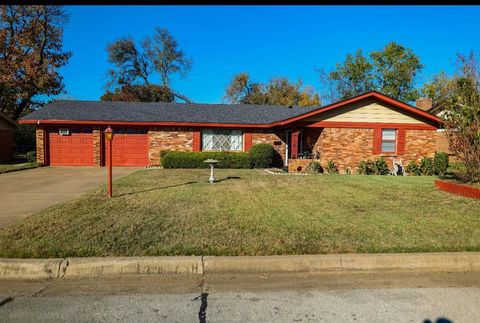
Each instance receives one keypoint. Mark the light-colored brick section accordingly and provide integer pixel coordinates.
(40, 136)
(420, 143)
(97, 147)
(168, 138)
(347, 147)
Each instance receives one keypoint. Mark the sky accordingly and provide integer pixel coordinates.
(265, 41)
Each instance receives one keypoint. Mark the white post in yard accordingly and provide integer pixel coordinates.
(212, 163)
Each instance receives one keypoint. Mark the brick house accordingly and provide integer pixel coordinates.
(7, 128)
(363, 127)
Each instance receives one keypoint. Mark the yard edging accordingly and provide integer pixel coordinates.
(457, 189)
(55, 268)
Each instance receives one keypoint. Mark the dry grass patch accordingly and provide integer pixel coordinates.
(177, 212)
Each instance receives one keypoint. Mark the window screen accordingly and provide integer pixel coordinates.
(222, 139)
(389, 138)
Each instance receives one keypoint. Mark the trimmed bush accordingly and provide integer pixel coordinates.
(380, 167)
(188, 159)
(332, 168)
(314, 167)
(426, 166)
(412, 168)
(365, 167)
(440, 163)
(375, 167)
(261, 155)
(31, 156)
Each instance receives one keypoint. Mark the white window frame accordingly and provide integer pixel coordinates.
(395, 144)
(211, 144)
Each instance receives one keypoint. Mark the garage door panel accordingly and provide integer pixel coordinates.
(73, 150)
(129, 150)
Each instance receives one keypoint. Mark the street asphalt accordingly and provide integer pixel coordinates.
(426, 297)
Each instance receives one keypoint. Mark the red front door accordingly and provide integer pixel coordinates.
(129, 149)
(294, 144)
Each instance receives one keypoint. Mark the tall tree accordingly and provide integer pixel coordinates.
(391, 71)
(130, 79)
(31, 53)
(278, 91)
(167, 58)
(441, 90)
(352, 77)
(462, 116)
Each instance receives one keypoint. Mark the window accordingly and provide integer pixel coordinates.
(389, 138)
(222, 139)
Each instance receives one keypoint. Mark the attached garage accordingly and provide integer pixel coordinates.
(129, 148)
(70, 147)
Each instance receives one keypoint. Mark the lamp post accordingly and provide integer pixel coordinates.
(212, 163)
(109, 137)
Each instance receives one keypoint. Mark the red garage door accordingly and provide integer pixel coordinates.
(130, 148)
(74, 149)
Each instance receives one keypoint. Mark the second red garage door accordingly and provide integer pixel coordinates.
(130, 148)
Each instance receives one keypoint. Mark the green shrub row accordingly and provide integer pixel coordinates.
(437, 165)
(373, 167)
(259, 156)
(188, 159)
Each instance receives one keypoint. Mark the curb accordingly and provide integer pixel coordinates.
(41, 269)
(391, 262)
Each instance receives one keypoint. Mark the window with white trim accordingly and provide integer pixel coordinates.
(389, 140)
(222, 139)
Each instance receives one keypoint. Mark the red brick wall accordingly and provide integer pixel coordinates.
(347, 147)
(168, 138)
(265, 136)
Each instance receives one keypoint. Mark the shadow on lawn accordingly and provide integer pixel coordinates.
(176, 185)
(156, 189)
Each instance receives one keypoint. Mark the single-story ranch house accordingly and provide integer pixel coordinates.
(69, 133)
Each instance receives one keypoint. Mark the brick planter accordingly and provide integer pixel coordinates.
(458, 189)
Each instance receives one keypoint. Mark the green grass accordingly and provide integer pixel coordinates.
(177, 212)
(7, 168)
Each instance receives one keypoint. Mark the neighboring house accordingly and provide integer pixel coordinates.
(7, 128)
(443, 144)
(364, 127)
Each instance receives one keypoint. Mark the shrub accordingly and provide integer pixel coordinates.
(24, 136)
(31, 156)
(440, 163)
(181, 159)
(314, 167)
(365, 167)
(412, 168)
(332, 168)
(380, 167)
(426, 166)
(261, 155)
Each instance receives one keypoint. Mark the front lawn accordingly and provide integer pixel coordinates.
(7, 168)
(177, 212)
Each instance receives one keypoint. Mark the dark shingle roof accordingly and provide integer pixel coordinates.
(165, 112)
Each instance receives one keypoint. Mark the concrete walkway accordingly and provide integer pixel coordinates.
(25, 192)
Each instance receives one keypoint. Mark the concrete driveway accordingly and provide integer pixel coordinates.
(25, 192)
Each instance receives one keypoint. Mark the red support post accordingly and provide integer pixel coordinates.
(110, 169)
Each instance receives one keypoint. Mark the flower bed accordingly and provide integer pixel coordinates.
(458, 189)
